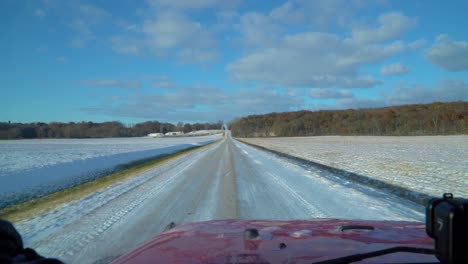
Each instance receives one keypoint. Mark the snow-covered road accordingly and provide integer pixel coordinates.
(225, 180)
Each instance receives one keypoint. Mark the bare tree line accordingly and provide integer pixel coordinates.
(406, 120)
(10, 130)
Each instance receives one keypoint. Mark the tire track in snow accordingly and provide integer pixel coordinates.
(313, 211)
(226, 180)
(263, 194)
(77, 246)
(191, 198)
(58, 227)
(36, 228)
(320, 193)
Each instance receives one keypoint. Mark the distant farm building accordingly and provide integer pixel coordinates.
(155, 135)
(174, 133)
(204, 132)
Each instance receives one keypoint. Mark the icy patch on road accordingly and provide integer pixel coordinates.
(430, 164)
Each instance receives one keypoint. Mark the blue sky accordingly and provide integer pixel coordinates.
(207, 60)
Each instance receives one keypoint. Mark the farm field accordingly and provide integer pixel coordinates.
(428, 164)
(225, 180)
(38, 166)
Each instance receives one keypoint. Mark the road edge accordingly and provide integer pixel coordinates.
(411, 195)
(24, 210)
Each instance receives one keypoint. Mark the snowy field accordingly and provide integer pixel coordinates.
(227, 180)
(33, 167)
(428, 164)
(204, 132)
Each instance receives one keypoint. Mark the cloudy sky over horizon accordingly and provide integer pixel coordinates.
(208, 60)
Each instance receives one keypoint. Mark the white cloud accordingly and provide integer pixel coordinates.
(189, 55)
(260, 101)
(115, 98)
(322, 14)
(445, 91)
(127, 45)
(39, 13)
(321, 93)
(264, 30)
(448, 54)
(205, 103)
(394, 69)
(170, 30)
(129, 84)
(361, 54)
(313, 59)
(78, 43)
(391, 25)
(164, 28)
(193, 5)
(157, 77)
(61, 59)
(288, 13)
(200, 103)
(417, 44)
(164, 85)
(183, 4)
(169, 34)
(163, 82)
(84, 19)
(359, 103)
(257, 29)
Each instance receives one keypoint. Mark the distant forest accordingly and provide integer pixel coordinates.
(406, 120)
(96, 130)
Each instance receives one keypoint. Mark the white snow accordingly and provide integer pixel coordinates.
(27, 154)
(427, 164)
(201, 186)
(204, 132)
(38, 166)
(284, 190)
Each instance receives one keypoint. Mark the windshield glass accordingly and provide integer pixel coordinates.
(118, 118)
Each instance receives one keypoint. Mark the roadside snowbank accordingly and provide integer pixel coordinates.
(428, 164)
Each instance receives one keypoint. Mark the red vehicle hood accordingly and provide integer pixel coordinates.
(224, 241)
